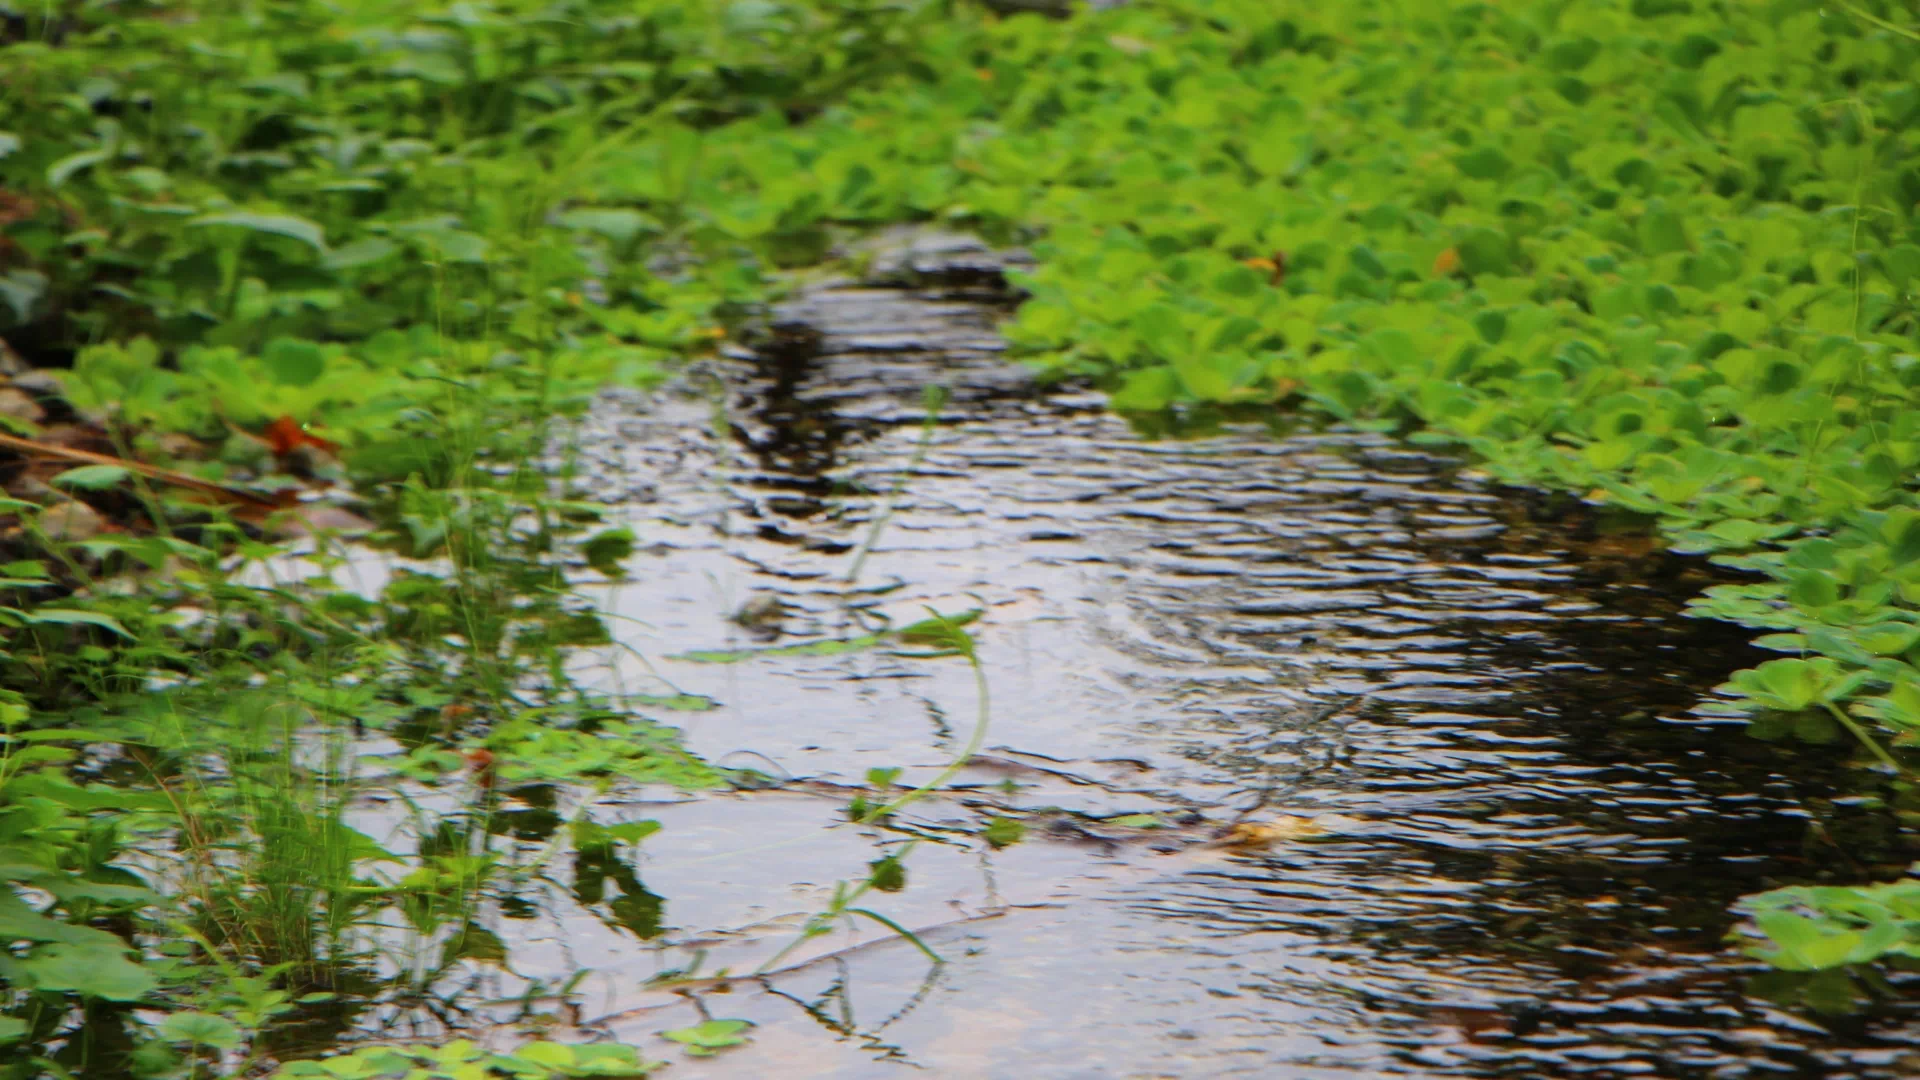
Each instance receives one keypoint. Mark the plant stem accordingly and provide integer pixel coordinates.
(935, 397)
(1860, 733)
(974, 741)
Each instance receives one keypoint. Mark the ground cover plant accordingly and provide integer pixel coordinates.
(1658, 253)
(306, 257)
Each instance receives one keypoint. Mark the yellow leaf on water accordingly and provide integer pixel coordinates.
(1273, 831)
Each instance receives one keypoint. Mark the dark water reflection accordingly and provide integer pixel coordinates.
(1535, 840)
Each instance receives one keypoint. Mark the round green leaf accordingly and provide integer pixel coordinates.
(293, 362)
(200, 1029)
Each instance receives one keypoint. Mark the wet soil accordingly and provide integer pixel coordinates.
(1527, 833)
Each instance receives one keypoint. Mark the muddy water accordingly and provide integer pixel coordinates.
(1524, 835)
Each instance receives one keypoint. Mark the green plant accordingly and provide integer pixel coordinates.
(940, 636)
(711, 1036)
(1823, 927)
(534, 1061)
(1661, 255)
(383, 228)
(266, 915)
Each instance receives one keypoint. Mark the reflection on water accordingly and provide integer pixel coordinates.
(1536, 842)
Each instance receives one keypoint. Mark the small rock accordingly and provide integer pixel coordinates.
(47, 391)
(177, 445)
(33, 489)
(319, 518)
(312, 463)
(71, 521)
(763, 614)
(20, 405)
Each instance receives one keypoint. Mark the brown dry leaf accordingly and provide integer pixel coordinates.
(15, 207)
(481, 762)
(286, 435)
(1476, 1022)
(1275, 266)
(54, 439)
(1624, 545)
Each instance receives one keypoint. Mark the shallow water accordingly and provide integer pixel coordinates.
(1529, 835)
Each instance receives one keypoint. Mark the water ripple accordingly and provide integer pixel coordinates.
(1539, 840)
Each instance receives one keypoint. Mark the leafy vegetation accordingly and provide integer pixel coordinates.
(289, 245)
(534, 1061)
(1651, 253)
(1660, 253)
(1827, 942)
(1847, 925)
(710, 1037)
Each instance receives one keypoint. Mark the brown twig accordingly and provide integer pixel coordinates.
(680, 986)
(151, 472)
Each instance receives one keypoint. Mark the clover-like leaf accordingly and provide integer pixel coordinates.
(710, 1037)
(200, 1029)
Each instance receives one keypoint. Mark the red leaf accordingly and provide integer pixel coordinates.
(481, 761)
(286, 435)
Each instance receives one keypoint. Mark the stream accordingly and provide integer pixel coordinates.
(1501, 832)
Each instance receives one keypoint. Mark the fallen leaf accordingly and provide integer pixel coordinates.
(1249, 834)
(1474, 1021)
(286, 435)
(481, 762)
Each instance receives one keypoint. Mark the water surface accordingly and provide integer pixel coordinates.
(1530, 835)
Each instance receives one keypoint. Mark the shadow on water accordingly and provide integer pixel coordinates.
(1524, 837)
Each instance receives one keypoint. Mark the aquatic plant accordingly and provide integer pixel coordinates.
(533, 1061)
(1659, 253)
